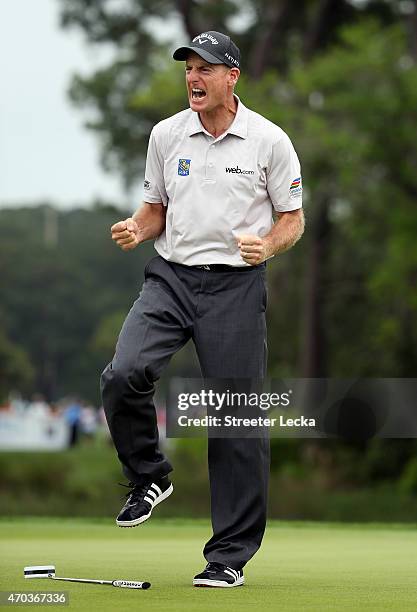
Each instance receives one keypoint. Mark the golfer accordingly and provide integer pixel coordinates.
(222, 195)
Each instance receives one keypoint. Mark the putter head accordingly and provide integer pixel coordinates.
(39, 571)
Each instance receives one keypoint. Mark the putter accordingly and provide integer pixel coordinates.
(48, 571)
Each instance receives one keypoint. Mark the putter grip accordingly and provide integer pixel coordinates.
(131, 584)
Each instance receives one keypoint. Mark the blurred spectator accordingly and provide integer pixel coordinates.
(84, 421)
(88, 422)
(17, 404)
(38, 406)
(72, 414)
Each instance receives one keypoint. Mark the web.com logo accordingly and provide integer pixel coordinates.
(238, 170)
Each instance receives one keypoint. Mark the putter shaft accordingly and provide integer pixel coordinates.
(82, 580)
(124, 584)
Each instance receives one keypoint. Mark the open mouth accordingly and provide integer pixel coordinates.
(197, 94)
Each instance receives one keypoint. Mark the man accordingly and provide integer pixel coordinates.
(215, 175)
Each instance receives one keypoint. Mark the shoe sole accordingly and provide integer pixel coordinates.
(201, 582)
(145, 517)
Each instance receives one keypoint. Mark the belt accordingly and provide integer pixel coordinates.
(226, 268)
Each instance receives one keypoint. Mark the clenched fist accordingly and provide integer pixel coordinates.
(126, 234)
(253, 249)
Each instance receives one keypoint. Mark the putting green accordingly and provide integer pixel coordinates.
(301, 566)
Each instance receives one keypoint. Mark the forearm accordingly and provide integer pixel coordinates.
(286, 231)
(150, 219)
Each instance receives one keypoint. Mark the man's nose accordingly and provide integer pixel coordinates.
(192, 75)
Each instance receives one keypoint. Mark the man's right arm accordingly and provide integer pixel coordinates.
(148, 222)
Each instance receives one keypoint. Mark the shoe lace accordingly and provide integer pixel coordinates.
(136, 491)
(214, 567)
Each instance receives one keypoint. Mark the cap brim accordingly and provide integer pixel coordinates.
(182, 53)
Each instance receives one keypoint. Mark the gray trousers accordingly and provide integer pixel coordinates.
(223, 312)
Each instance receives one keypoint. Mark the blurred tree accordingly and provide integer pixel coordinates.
(143, 32)
(16, 371)
(365, 297)
(108, 328)
(55, 297)
(63, 302)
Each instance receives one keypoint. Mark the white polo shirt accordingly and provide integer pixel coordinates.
(216, 189)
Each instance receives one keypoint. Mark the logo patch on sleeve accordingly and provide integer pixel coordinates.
(184, 167)
(147, 185)
(296, 188)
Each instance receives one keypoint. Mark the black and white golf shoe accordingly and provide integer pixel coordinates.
(219, 575)
(142, 499)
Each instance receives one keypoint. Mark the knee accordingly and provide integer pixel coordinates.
(112, 378)
(117, 378)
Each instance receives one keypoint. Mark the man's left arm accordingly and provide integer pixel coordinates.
(287, 229)
(285, 191)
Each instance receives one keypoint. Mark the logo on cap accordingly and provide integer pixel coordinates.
(231, 59)
(202, 38)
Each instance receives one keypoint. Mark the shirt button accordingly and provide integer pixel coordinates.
(210, 165)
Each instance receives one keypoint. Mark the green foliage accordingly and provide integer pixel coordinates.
(306, 483)
(102, 343)
(350, 114)
(408, 480)
(62, 279)
(82, 480)
(143, 33)
(16, 368)
(66, 289)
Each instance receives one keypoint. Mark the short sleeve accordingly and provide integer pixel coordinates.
(154, 184)
(284, 176)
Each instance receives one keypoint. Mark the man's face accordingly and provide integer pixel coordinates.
(208, 85)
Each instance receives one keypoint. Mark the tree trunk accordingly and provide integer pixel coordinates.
(267, 36)
(412, 31)
(313, 350)
(329, 15)
(186, 10)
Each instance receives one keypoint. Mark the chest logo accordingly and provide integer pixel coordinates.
(184, 167)
(238, 170)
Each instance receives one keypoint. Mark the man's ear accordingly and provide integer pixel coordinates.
(234, 74)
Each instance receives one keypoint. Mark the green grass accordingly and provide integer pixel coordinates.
(301, 566)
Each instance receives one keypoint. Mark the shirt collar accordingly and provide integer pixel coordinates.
(239, 126)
